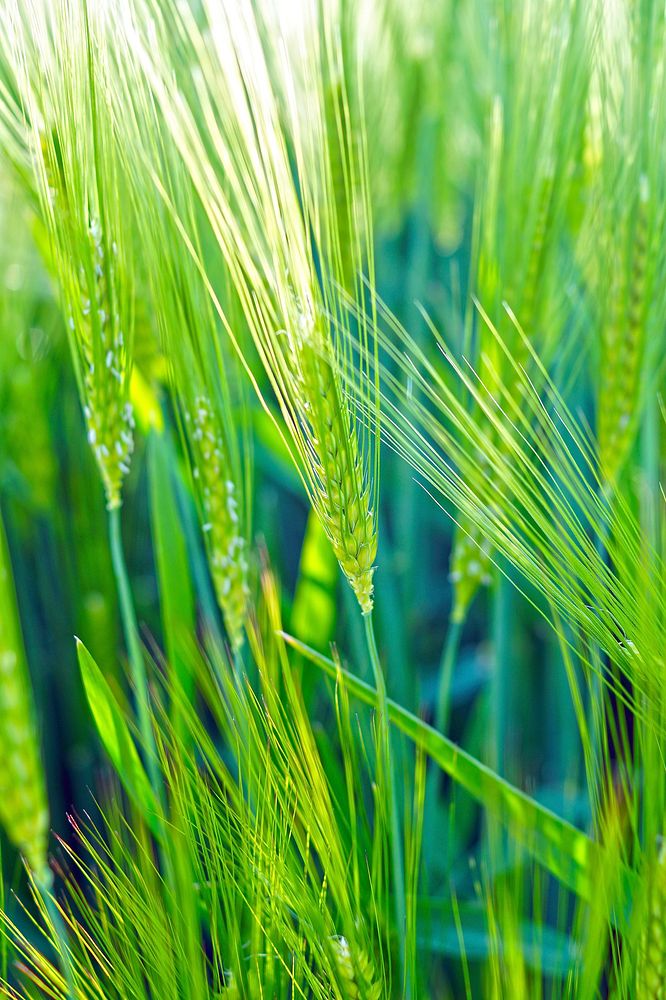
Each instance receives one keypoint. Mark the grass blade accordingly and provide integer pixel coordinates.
(173, 571)
(114, 733)
(568, 853)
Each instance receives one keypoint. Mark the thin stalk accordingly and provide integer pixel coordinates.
(386, 767)
(446, 668)
(355, 637)
(503, 655)
(650, 484)
(202, 582)
(390, 612)
(418, 268)
(563, 726)
(433, 847)
(4, 942)
(648, 748)
(502, 601)
(239, 667)
(596, 715)
(135, 655)
(61, 934)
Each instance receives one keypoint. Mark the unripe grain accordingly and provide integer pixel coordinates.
(623, 347)
(651, 967)
(87, 260)
(100, 341)
(470, 566)
(219, 497)
(350, 972)
(23, 804)
(343, 495)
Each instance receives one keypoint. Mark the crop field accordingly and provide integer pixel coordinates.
(332, 526)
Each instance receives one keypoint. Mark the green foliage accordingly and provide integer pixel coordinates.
(283, 242)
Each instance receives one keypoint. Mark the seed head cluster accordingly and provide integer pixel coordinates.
(23, 806)
(470, 566)
(623, 345)
(651, 968)
(108, 412)
(98, 338)
(343, 494)
(343, 958)
(219, 498)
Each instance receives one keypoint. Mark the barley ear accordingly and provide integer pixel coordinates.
(219, 499)
(80, 187)
(470, 566)
(343, 497)
(86, 257)
(623, 343)
(651, 967)
(23, 804)
(106, 373)
(352, 969)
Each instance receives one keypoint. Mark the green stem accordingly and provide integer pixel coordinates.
(387, 769)
(435, 846)
(649, 752)
(446, 668)
(4, 943)
(503, 655)
(390, 610)
(61, 935)
(202, 582)
(650, 484)
(596, 708)
(419, 264)
(135, 655)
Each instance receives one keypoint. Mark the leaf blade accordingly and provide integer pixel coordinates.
(114, 733)
(568, 853)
